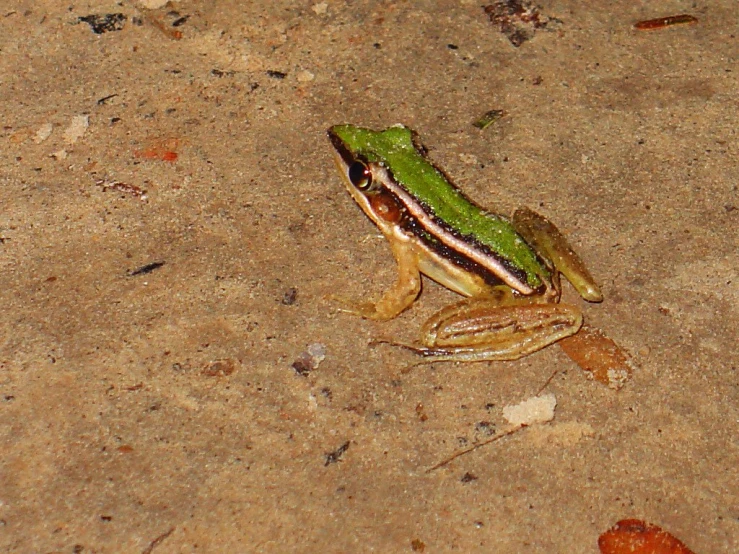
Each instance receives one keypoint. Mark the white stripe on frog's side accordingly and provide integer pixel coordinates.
(469, 250)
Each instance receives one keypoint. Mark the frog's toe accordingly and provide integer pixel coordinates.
(349, 306)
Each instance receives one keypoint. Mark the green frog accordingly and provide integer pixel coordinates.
(509, 269)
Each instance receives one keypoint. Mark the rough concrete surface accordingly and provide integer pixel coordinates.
(176, 407)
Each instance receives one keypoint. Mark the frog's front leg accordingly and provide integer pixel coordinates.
(398, 297)
(498, 327)
(551, 244)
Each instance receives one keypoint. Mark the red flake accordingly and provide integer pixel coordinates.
(633, 536)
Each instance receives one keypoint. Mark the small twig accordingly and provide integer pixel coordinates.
(475, 447)
(156, 542)
(148, 268)
(547, 382)
(335, 456)
(662, 22)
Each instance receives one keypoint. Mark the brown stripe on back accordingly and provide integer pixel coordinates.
(411, 225)
(414, 226)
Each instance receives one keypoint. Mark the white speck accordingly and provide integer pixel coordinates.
(43, 133)
(320, 8)
(617, 378)
(76, 128)
(152, 4)
(312, 402)
(537, 409)
(305, 76)
(317, 351)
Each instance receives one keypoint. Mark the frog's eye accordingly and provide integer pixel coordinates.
(360, 175)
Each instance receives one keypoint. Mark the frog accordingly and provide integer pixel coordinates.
(508, 268)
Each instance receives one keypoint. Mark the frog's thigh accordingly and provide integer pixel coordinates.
(552, 244)
(497, 329)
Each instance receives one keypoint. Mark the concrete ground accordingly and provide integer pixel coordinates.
(220, 403)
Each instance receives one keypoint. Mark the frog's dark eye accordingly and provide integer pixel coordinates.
(360, 175)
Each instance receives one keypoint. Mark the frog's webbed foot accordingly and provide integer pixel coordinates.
(412, 347)
(367, 310)
(546, 239)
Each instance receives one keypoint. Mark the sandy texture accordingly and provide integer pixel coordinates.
(171, 224)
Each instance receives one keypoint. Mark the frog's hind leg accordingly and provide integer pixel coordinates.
(502, 326)
(548, 241)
